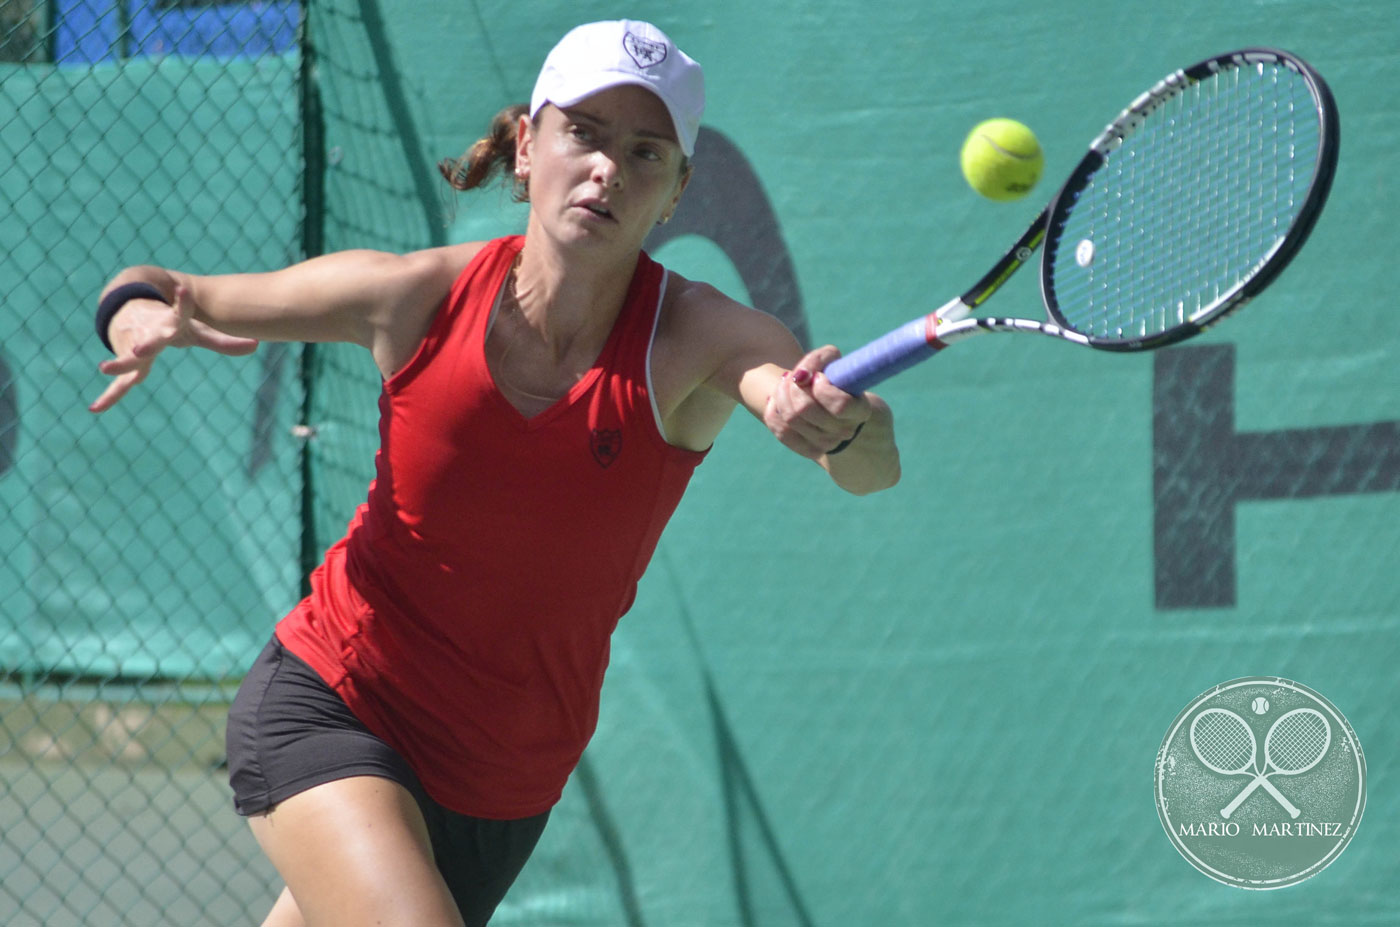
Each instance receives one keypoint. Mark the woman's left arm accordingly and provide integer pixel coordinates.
(755, 361)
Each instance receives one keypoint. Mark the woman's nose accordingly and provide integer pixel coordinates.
(607, 171)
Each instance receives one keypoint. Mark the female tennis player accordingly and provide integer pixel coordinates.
(399, 743)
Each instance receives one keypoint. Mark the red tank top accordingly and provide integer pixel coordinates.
(465, 617)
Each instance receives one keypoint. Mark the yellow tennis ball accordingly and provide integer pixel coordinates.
(1001, 159)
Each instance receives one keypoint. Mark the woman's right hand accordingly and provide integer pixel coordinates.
(142, 328)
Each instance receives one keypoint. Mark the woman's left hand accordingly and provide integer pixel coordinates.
(808, 413)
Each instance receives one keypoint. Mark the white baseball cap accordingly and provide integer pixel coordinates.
(601, 55)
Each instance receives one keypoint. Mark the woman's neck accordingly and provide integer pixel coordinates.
(571, 299)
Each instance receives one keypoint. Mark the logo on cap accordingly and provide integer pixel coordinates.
(644, 51)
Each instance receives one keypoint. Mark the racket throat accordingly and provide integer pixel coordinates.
(931, 338)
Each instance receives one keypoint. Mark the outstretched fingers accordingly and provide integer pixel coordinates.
(212, 339)
(119, 387)
(144, 328)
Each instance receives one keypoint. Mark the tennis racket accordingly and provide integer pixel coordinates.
(1224, 743)
(1295, 743)
(1186, 206)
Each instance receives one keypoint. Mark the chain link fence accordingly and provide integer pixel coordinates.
(148, 551)
(378, 190)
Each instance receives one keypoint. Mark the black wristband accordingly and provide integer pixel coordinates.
(114, 300)
(846, 443)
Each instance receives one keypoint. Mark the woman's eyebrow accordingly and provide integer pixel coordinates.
(578, 114)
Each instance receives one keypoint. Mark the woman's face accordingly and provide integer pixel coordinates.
(605, 170)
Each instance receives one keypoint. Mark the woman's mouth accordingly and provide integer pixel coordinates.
(598, 209)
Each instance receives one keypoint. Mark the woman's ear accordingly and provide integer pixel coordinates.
(524, 144)
(675, 200)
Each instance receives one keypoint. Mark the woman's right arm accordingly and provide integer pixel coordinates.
(384, 302)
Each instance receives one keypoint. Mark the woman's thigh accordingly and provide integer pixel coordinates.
(356, 851)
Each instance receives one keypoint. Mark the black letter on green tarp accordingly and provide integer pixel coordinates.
(1202, 467)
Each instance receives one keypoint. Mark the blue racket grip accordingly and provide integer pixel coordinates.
(883, 358)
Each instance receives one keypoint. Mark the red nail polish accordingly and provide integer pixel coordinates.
(800, 377)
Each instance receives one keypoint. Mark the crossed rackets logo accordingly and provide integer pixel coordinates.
(1213, 764)
(1225, 744)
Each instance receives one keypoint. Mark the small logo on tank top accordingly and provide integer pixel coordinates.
(606, 444)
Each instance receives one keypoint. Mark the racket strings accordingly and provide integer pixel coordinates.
(1223, 742)
(1190, 205)
(1174, 204)
(1224, 183)
(1204, 149)
(1298, 743)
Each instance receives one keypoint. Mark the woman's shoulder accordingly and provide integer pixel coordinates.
(696, 313)
(445, 261)
(425, 277)
(408, 291)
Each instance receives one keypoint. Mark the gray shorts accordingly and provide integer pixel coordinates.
(289, 731)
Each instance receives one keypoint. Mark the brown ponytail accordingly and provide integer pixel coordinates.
(495, 150)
